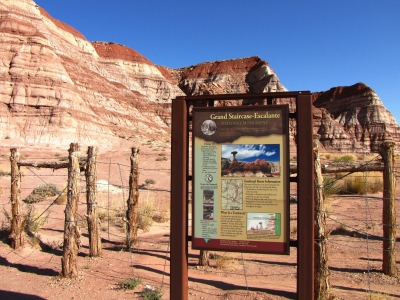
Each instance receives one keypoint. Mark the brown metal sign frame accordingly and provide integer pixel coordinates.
(180, 178)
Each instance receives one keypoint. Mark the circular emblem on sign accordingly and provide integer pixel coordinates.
(208, 178)
(208, 127)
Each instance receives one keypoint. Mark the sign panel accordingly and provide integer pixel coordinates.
(241, 179)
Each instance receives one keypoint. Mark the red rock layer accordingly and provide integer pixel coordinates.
(61, 24)
(58, 88)
(354, 118)
(117, 51)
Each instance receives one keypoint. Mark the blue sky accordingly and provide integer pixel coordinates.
(251, 152)
(311, 45)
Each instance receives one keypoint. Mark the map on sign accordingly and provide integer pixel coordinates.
(232, 194)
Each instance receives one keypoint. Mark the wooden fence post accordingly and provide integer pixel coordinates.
(389, 210)
(71, 230)
(133, 200)
(204, 258)
(91, 200)
(17, 219)
(321, 279)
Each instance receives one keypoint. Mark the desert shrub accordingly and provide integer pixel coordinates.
(34, 221)
(150, 181)
(152, 294)
(344, 158)
(145, 215)
(161, 158)
(160, 216)
(130, 284)
(328, 156)
(31, 224)
(41, 192)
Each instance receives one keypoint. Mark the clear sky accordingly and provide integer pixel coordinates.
(311, 45)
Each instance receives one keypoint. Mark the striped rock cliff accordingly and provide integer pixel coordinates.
(349, 119)
(353, 118)
(57, 87)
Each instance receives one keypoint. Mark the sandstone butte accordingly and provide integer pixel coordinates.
(56, 88)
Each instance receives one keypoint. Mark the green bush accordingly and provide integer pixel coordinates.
(130, 284)
(149, 294)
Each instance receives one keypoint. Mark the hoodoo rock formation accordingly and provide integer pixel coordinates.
(56, 88)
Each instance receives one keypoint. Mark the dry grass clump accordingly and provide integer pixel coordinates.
(362, 185)
(151, 210)
(32, 222)
(5, 171)
(344, 158)
(331, 186)
(225, 261)
(369, 183)
(61, 199)
(112, 208)
(161, 157)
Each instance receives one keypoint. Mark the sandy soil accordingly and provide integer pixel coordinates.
(355, 258)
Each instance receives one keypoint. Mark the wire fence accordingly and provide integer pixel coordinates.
(354, 221)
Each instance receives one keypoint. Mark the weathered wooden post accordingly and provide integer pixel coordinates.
(71, 230)
(389, 210)
(321, 279)
(17, 219)
(204, 258)
(91, 200)
(133, 200)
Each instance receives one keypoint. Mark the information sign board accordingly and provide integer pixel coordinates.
(241, 179)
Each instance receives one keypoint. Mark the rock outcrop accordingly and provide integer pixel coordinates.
(354, 119)
(56, 88)
(349, 119)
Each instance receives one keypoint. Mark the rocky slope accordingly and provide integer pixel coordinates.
(349, 119)
(354, 118)
(58, 88)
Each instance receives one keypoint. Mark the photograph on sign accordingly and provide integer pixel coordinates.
(241, 179)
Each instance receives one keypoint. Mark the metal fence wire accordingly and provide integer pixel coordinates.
(354, 222)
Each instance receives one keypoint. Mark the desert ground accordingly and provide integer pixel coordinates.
(354, 247)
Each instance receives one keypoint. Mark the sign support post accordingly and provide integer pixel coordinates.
(180, 177)
(179, 205)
